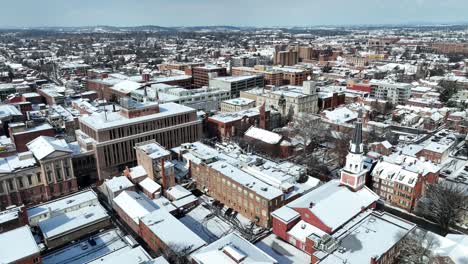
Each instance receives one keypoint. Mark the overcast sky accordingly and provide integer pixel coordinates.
(23, 13)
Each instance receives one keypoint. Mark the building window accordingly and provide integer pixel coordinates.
(10, 185)
(49, 176)
(30, 180)
(20, 182)
(38, 177)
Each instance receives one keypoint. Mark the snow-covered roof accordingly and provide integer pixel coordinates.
(234, 116)
(245, 179)
(131, 256)
(340, 115)
(436, 147)
(135, 205)
(232, 249)
(286, 214)
(263, 135)
(149, 185)
(62, 204)
(302, 230)
(138, 172)
(334, 204)
(126, 86)
(43, 146)
(454, 246)
(154, 150)
(171, 231)
(17, 162)
(118, 183)
(369, 235)
(17, 244)
(110, 120)
(7, 110)
(178, 192)
(239, 101)
(70, 221)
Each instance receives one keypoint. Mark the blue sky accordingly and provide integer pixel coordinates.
(20, 13)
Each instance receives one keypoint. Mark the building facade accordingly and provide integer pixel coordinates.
(112, 136)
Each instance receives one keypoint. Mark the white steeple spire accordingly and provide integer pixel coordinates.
(354, 172)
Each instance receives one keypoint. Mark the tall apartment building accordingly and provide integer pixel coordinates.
(286, 58)
(201, 74)
(112, 136)
(236, 84)
(272, 77)
(395, 93)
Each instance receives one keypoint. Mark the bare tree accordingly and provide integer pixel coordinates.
(310, 130)
(443, 203)
(177, 254)
(417, 247)
(340, 148)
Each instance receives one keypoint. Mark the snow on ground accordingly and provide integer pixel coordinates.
(209, 230)
(283, 252)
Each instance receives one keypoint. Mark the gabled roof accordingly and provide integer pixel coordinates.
(334, 204)
(43, 146)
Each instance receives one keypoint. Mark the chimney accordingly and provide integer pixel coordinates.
(126, 171)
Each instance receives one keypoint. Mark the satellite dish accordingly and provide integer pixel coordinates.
(309, 78)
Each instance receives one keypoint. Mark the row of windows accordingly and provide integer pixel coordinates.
(122, 152)
(21, 182)
(148, 126)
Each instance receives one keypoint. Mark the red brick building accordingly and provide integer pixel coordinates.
(201, 74)
(227, 125)
(22, 133)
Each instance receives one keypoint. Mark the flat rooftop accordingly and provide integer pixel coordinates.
(71, 221)
(367, 237)
(102, 121)
(17, 244)
(108, 242)
(62, 203)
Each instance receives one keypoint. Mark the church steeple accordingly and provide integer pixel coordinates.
(354, 172)
(356, 145)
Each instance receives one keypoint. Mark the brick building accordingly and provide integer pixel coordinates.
(19, 246)
(270, 75)
(323, 222)
(69, 218)
(12, 218)
(227, 125)
(201, 76)
(44, 172)
(112, 136)
(22, 133)
(155, 159)
(254, 187)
